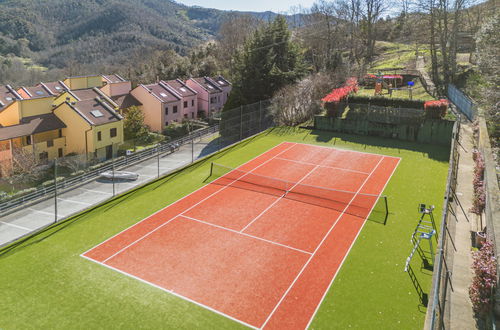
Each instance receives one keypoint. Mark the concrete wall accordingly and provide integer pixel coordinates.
(10, 115)
(151, 107)
(34, 107)
(192, 109)
(114, 89)
(83, 82)
(202, 97)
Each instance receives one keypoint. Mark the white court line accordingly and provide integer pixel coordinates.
(160, 210)
(15, 226)
(319, 245)
(346, 150)
(348, 251)
(95, 191)
(192, 206)
(280, 198)
(170, 291)
(72, 201)
(325, 166)
(245, 234)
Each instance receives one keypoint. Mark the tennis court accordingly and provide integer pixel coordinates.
(260, 244)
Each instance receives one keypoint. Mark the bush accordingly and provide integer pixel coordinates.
(335, 101)
(479, 198)
(387, 102)
(484, 280)
(436, 109)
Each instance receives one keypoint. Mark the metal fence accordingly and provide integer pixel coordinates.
(73, 184)
(441, 282)
(462, 102)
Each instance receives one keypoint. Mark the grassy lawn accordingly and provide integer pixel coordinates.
(46, 284)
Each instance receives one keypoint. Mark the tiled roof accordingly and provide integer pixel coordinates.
(162, 93)
(37, 91)
(221, 81)
(180, 87)
(7, 96)
(209, 85)
(56, 87)
(32, 125)
(85, 94)
(113, 78)
(96, 112)
(126, 101)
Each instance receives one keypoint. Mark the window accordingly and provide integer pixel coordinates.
(60, 133)
(99, 136)
(185, 115)
(175, 109)
(59, 152)
(50, 143)
(28, 140)
(185, 104)
(166, 123)
(192, 114)
(192, 103)
(113, 132)
(166, 111)
(96, 113)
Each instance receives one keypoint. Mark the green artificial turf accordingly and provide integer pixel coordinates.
(44, 283)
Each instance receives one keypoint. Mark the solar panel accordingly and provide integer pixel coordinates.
(96, 113)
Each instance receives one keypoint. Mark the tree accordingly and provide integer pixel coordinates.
(268, 61)
(133, 126)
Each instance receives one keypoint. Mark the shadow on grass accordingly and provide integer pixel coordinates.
(436, 152)
(423, 297)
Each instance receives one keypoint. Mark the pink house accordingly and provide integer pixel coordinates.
(225, 85)
(114, 85)
(188, 95)
(210, 95)
(161, 105)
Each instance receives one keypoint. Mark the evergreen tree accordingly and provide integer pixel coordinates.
(269, 61)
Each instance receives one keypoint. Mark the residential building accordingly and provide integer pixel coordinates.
(93, 127)
(82, 82)
(55, 87)
(189, 98)
(210, 95)
(225, 85)
(35, 92)
(8, 95)
(161, 105)
(114, 85)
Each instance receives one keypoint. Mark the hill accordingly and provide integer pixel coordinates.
(58, 32)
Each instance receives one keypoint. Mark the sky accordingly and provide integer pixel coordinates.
(278, 6)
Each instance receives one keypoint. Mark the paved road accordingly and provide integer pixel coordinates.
(22, 222)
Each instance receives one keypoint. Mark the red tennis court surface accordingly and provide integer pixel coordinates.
(256, 256)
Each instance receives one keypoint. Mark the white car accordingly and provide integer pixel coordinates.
(119, 175)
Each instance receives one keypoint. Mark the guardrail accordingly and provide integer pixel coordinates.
(44, 192)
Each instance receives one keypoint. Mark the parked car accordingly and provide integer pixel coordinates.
(119, 175)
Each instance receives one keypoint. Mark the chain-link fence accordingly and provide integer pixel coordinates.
(462, 102)
(438, 309)
(43, 192)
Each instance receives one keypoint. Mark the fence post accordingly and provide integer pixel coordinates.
(192, 149)
(113, 172)
(158, 158)
(55, 190)
(241, 122)
(260, 116)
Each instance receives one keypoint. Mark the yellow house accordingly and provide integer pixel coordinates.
(83, 82)
(83, 95)
(93, 127)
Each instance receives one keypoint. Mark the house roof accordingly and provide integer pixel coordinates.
(208, 84)
(85, 94)
(96, 112)
(163, 92)
(37, 91)
(221, 81)
(113, 78)
(180, 87)
(126, 101)
(32, 125)
(55, 87)
(7, 96)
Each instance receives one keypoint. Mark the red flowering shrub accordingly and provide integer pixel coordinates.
(436, 109)
(479, 198)
(484, 281)
(333, 100)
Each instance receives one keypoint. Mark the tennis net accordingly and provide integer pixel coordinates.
(358, 204)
